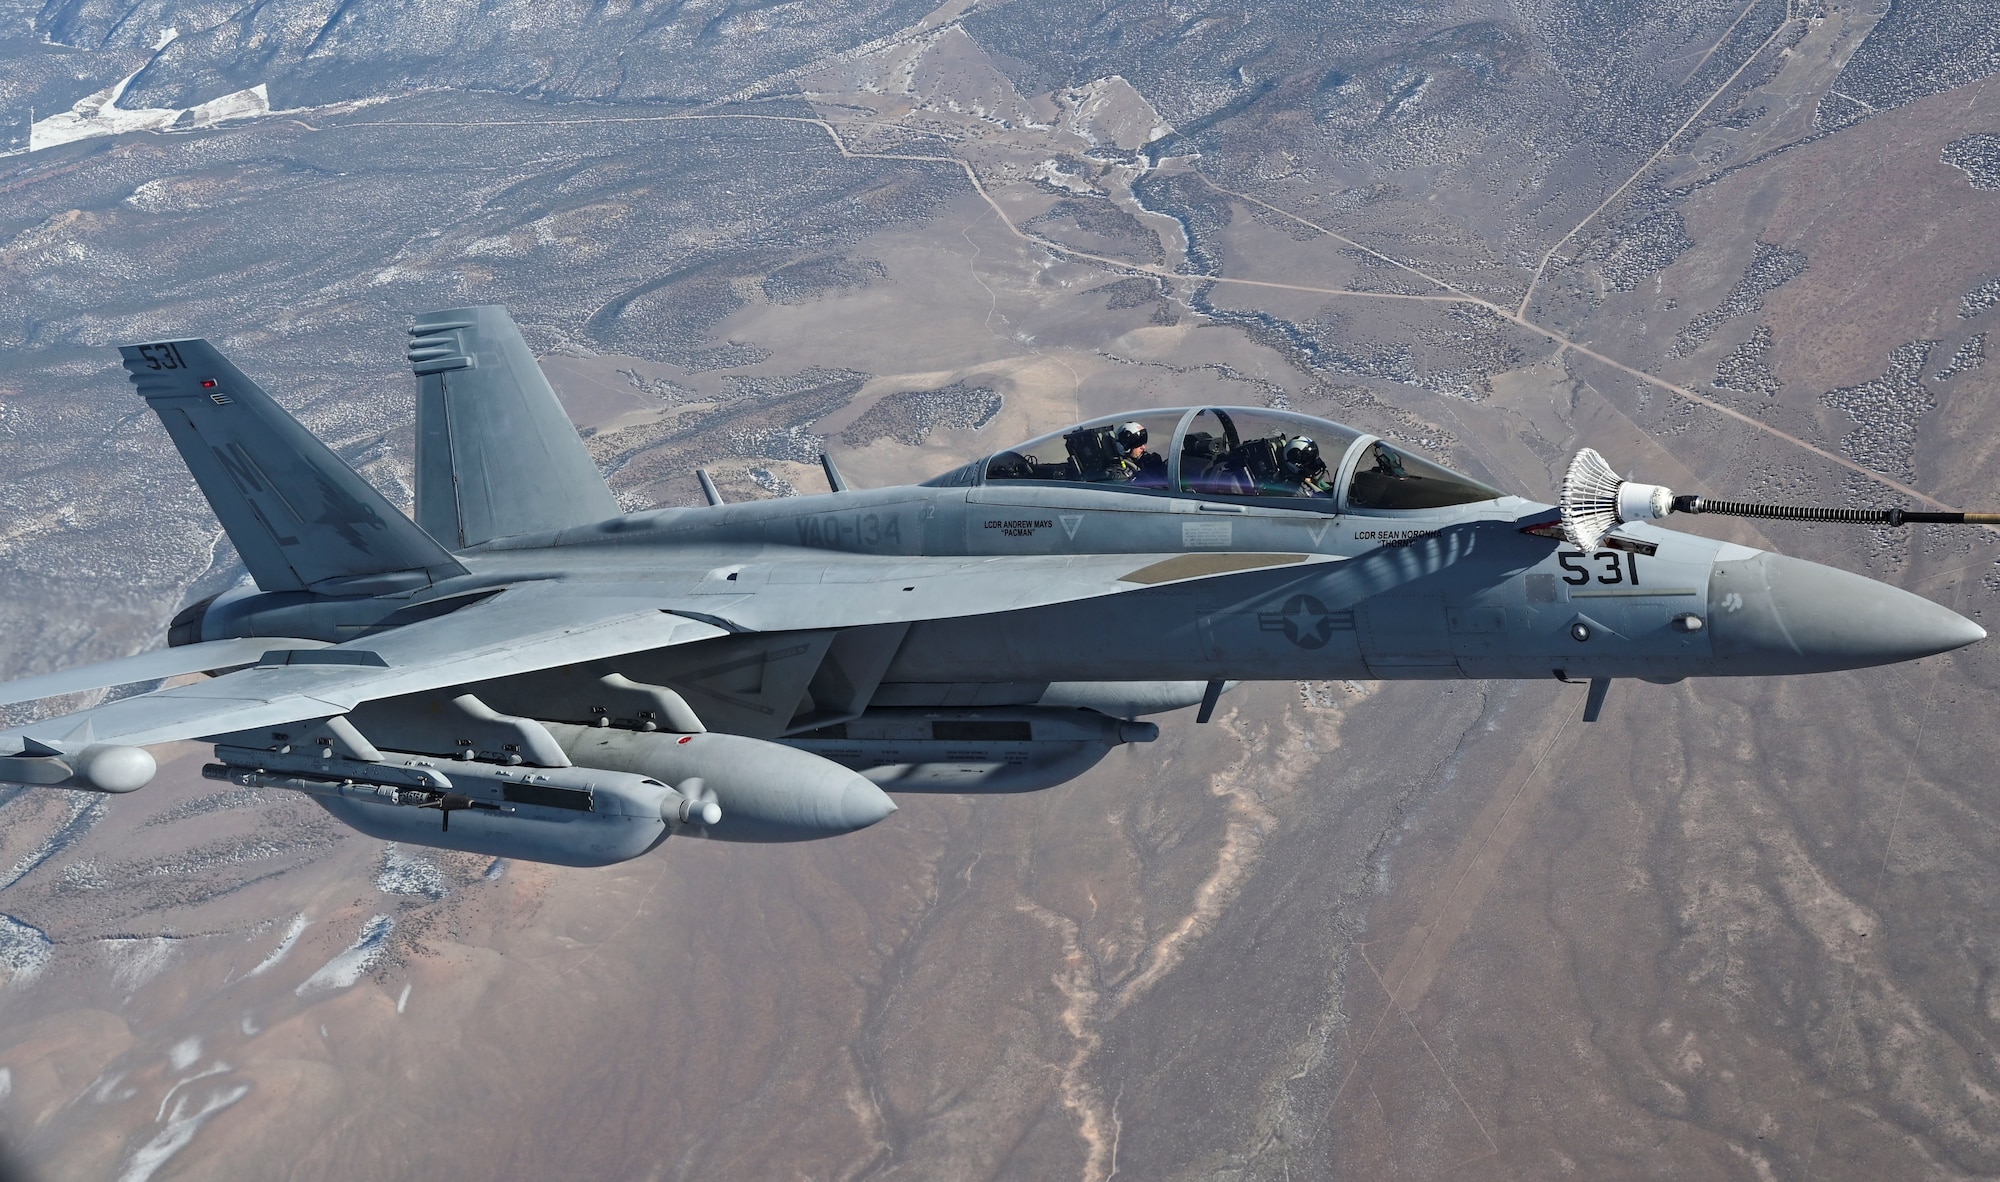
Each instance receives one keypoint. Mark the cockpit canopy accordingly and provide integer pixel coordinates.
(1234, 452)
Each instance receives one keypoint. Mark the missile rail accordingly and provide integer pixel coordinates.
(417, 781)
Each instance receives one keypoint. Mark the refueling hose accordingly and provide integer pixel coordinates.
(1595, 500)
(1888, 517)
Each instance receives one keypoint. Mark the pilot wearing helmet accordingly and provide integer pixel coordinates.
(1302, 462)
(1133, 463)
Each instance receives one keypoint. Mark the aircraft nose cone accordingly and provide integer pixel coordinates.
(1772, 614)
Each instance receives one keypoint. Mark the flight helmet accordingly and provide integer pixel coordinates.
(1130, 437)
(1301, 457)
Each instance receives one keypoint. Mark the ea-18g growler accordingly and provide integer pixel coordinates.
(525, 671)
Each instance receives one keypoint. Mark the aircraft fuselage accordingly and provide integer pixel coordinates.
(1456, 592)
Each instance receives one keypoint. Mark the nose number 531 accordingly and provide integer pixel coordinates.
(1612, 567)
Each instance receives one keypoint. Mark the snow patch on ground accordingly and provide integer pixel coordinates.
(242, 104)
(184, 1054)
(345, 969)
(83, 876)
(292, 933)
(1110, 112)
(408, 874)
(220, 1068)
(392, 274)
(85, 810)
(99, 115)
(177, 1132)
(137, 960)
(1051, 172)
(107, 1091)
(24, 949)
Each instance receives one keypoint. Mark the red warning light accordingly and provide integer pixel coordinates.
(685, 739)
(208, 383)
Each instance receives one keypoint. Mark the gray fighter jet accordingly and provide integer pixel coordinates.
(525, 671)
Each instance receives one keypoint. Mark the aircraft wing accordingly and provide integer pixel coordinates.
(521, 629)
(545, 625)
(154, 666)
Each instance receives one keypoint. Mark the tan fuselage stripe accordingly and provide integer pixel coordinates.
(1195, 566)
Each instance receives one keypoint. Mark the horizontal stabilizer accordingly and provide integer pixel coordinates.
(496, 453)
(300, 517)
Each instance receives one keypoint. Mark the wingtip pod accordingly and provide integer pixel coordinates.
(116, 769)
(102, 767)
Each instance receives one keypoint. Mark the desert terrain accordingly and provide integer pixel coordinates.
(1734, 929)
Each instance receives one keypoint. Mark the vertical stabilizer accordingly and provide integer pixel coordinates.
(496, 454)
(300, 518)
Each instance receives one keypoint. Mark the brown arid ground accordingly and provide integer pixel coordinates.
(1367, 931)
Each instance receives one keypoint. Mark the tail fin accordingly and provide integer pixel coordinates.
(301, 519)
(496, 454)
